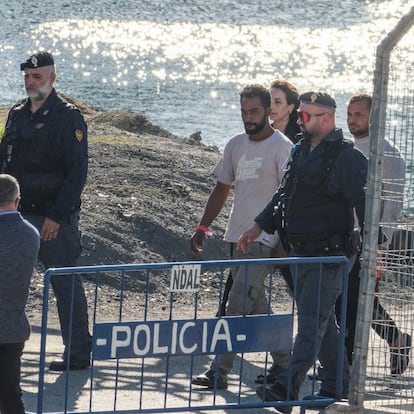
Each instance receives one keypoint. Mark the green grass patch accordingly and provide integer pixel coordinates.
(2, 126)
(107, 139)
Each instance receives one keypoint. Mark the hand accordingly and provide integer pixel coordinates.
(49, 230)
(248, 237)
(197, 241)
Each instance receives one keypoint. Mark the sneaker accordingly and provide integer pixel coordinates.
(211, 380)
(400, 356)
(274, 392)
(272, 374)
(269, 379)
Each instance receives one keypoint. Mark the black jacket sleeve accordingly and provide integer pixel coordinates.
(352, 170)
(75, 143)
(266, 218)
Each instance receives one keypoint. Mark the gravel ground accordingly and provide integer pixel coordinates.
(145, 193)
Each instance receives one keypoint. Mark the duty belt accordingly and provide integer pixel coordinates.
(40, 208)
(35, 208)
(318, 247)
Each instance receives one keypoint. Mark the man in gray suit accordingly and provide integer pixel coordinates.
(19, 246)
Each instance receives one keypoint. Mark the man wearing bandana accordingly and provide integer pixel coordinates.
(45, 147)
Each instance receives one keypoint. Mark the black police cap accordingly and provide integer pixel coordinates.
(38, 60)
(318, 98)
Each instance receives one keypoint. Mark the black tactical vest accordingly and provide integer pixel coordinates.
(314, 209)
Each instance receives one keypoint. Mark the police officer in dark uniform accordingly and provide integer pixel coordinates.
(45, 147)
(313, 212)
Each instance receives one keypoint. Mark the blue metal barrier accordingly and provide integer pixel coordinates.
(144, 356)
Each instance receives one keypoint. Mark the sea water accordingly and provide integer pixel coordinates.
(181, 63)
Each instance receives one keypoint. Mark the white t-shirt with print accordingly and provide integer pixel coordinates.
(256, 169)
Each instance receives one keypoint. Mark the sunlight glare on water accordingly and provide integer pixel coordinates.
(217, 52)
(197, 57)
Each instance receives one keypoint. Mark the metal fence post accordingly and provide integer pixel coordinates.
(373, 199)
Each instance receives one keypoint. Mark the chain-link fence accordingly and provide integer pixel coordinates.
(382, 374)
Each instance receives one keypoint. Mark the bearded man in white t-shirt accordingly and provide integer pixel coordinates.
(253, 164)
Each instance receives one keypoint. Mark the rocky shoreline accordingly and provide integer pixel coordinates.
(145, 192)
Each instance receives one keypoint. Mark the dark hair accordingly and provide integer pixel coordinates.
(256, 91)
(9, 189)
(292, 97)
(361, 97)
(291, 91)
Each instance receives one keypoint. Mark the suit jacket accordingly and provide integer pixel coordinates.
(19, 246)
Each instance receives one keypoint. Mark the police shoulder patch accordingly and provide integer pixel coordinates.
(79, 134)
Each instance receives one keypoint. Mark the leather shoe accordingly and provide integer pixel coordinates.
(211, 380)
(274, 392)
(62, 365)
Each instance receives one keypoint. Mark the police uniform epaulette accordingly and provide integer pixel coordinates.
(348, 142)
(19, 105)
(335, 147)
(65, 105)
(340, 146)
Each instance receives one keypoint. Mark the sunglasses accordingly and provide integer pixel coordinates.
(306, 116)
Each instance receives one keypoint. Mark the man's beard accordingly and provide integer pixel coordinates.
(359, 133)
(258, 127)
(37, 95)
(306, 135)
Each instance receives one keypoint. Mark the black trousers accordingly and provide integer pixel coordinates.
(386, 328)
(10, 392)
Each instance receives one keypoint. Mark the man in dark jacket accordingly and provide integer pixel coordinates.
(45, 147)
(19, 245)
(313, 212)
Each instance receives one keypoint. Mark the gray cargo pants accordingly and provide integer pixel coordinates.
(248, 297)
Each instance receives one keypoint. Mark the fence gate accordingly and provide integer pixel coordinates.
(149, 343)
